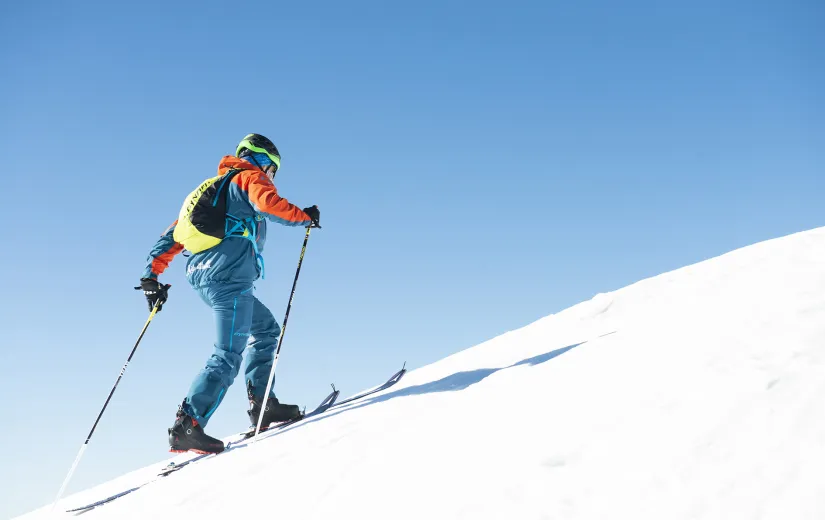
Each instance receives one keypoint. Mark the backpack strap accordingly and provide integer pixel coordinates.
(234, 226)
(221, 193)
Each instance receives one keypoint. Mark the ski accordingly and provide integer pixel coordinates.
(172, 467)
(328, 403)
(325, 405)
(390, 382)
(101, 502)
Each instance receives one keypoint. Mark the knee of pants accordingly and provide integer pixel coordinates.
(264, 339)
(225, 364)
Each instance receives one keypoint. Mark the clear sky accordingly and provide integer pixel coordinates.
(478, 165)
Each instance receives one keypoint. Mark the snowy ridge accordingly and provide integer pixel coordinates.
(699, 393)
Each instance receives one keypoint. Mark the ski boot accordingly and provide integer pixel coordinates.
(273, 412)
(187, 435)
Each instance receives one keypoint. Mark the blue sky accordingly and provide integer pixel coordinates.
(478, 165)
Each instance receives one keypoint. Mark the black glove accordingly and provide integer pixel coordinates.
(154, 291)
(315, 214)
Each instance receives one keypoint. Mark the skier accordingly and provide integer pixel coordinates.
(222, 223)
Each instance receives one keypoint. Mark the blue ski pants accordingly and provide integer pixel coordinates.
(240, 320)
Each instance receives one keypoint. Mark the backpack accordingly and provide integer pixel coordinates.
(203, 220)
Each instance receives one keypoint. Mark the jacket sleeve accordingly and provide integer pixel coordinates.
(164, 251)
(265, 199)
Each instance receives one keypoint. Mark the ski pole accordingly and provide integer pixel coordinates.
(283, 332)
(111, 393)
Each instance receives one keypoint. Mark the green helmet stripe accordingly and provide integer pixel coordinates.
(245, 144)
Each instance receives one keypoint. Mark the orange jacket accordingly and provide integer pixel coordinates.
(250, 194)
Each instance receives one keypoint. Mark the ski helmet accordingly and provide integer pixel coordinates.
(260, 144)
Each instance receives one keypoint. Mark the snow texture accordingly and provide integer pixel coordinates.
(697, 394)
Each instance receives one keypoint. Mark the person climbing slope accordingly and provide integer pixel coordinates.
(223, 224)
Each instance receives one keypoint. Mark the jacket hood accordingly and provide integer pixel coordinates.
(230, 161)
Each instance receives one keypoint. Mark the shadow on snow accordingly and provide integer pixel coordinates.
(452, 383)
(463, 380)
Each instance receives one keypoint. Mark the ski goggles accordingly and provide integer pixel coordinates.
(270, 171)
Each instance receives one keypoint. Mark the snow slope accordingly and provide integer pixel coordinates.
(697, 394)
